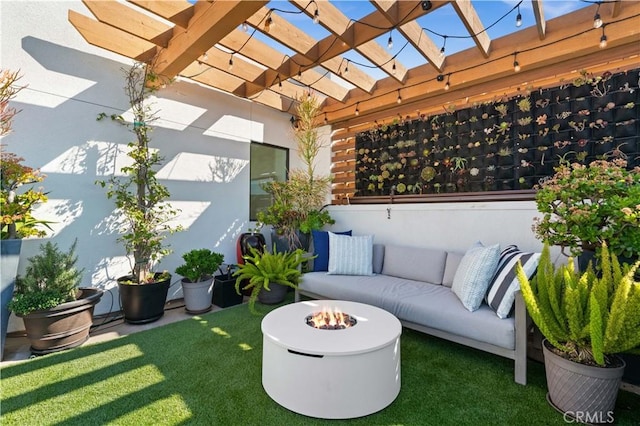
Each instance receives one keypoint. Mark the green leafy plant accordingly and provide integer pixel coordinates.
(585, 317)
(199, 264)
(51, 278)
(261, 269)
(16, 205)
(584, 206)
(139, 196)
(297, 202)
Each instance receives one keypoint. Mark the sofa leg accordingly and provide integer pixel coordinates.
(521, 319)
(296, 297)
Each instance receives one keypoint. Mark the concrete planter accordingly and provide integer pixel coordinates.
(197, 296)
(581, 391)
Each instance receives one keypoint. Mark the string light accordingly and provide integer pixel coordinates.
(205, 56)
(326, 120)
(268, 23)
(603, 39)
(279, 82)
(299, 71)
(399, 100)
(519, 18)
(444, 44)
(390, 41)
(245, 26)
(393, 68)
(357, 109)
(516, 64)
(231, 62)
(346, 68)
(447, 85)
(597, 20)
(316, 15)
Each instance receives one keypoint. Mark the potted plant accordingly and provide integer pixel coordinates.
(16, 203)
(584, 206)
(57, 314)
(297, 203)
(586, 319)
(224, 292)
(141, 199)
(269, 274)
(197, 284)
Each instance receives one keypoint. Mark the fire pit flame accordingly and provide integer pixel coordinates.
(329, 319)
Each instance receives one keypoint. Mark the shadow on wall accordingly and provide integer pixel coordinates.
(74, 151)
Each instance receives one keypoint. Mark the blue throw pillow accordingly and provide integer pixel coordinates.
(321, 249)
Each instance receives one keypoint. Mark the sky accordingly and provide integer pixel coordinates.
(443, 21)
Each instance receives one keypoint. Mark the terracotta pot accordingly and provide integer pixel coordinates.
(63, 327)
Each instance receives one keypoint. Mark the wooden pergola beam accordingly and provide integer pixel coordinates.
(541, 23)
(472, 22)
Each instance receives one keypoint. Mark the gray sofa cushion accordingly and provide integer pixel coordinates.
(435, 306)
(453, 260)
(415, 263)
(378, 258)
(438, 307)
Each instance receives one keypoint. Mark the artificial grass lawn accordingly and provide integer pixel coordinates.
(207, 370)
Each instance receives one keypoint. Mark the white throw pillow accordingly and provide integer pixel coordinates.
(474, 274)
(350, 255)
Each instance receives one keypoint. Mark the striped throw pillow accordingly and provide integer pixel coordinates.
(350, 255)
(504, 284)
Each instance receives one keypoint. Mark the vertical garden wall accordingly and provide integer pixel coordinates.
(507, 145)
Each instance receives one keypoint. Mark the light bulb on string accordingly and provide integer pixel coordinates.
(357, 112)
(444, 44)
(447, 85)
(390, 42)
(519, 18)
(393, 67)
(231, 62)
(205, 56)
(597, 19)
(516, 64)
(326, 120)
(316, 16)
(399, 99)
(346, 68)
(245, 26)
(603, 39)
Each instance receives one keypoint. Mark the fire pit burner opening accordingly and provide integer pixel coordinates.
(329, 319)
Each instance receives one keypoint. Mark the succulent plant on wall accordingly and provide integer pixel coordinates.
(509, 144)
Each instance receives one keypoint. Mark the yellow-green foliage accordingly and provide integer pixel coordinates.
(264, 268)
(584, 315)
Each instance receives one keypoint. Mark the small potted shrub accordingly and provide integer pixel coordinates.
(57, 314)
(224, 292)
(586, 319)
(269, 274)
(197, 284)
(584, 206)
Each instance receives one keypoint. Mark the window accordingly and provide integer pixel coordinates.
(268, 163)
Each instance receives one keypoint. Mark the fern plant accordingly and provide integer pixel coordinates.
(262, 269)
(51, 278)
(585, 316)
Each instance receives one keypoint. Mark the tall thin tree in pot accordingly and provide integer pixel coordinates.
(141, 198)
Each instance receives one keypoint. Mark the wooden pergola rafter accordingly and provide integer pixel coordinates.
(201, 40)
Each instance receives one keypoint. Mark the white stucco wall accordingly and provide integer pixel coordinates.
(203, 135)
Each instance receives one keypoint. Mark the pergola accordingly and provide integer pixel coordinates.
(213, 44)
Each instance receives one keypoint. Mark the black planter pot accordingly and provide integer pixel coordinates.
(224, 292)
(282, 244)
(276, 294)
(63, 327)
(143, 303)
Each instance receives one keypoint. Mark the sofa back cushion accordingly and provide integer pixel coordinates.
(453, 260)
(378, 258)
(414, 263)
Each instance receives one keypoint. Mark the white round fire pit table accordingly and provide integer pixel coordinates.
(331, 373)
